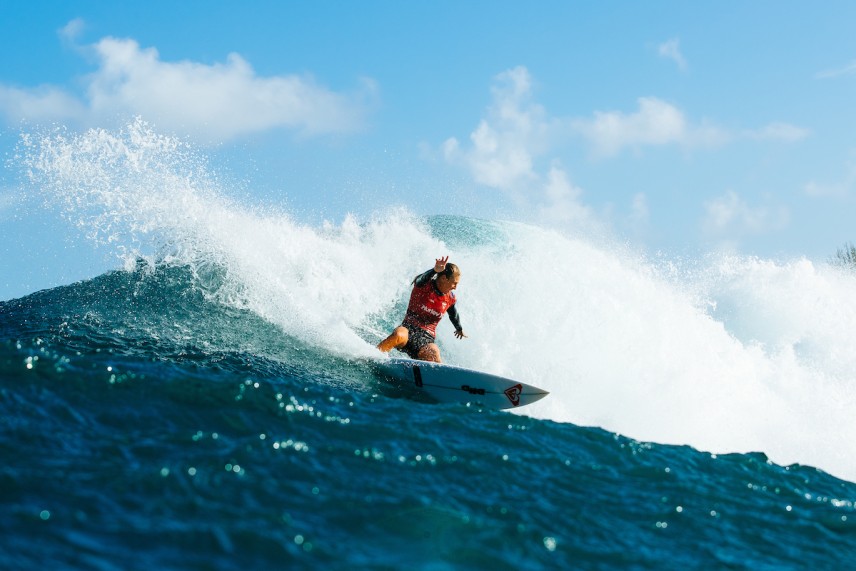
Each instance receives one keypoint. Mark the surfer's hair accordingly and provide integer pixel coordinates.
(450, 271)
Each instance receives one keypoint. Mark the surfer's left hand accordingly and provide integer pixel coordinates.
(459, 333)
(440, 264)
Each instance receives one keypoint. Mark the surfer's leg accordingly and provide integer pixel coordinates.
(398, 338)
(430, 352)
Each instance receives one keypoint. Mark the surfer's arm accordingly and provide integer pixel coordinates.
(455, 318)
(423, 279)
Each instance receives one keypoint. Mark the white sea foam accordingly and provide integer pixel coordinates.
(144, 194)
(735, 355)
(729, 355)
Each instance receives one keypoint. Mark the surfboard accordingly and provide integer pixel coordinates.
(449, 383)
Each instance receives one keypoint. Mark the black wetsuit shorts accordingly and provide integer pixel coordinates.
(417, 338)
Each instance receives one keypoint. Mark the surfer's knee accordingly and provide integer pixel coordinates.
(430, 352)
(401, 336)
(398, 338)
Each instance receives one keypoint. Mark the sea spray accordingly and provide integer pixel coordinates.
(735, 354)
(144, 194)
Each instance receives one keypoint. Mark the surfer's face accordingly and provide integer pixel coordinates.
(445, 285)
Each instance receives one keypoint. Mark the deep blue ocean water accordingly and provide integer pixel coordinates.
(143, 426)
(213, 404)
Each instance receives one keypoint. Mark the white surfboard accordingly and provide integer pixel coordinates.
(448, 383)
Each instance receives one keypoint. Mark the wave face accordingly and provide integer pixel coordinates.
(213, 403)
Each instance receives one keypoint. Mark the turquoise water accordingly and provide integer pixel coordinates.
(145, 427)
(212, 404)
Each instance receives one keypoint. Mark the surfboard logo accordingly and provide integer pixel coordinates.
(513, 393)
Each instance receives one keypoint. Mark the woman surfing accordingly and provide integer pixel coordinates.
(432, 296)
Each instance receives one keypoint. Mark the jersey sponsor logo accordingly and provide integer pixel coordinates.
(513, 393)
(431, 311)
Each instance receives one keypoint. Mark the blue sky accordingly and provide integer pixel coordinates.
(680, 127)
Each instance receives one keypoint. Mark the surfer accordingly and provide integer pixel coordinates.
(432, 296)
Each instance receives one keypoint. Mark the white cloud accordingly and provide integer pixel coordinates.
(502, 152)
(830, 190)
(848, 69)
(778, 132)
(730, 215)
(672, 50)
(562, 204)
(216, 102)
(639, 212)
(72, 31)
(45, 103)
(504, 144)
(841, 189)
(656, 122)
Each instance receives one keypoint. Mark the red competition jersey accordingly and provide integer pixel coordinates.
(427, 306)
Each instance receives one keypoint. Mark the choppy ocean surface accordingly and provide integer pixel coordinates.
(213, 404)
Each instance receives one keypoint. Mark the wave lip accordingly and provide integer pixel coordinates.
(730, 355)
